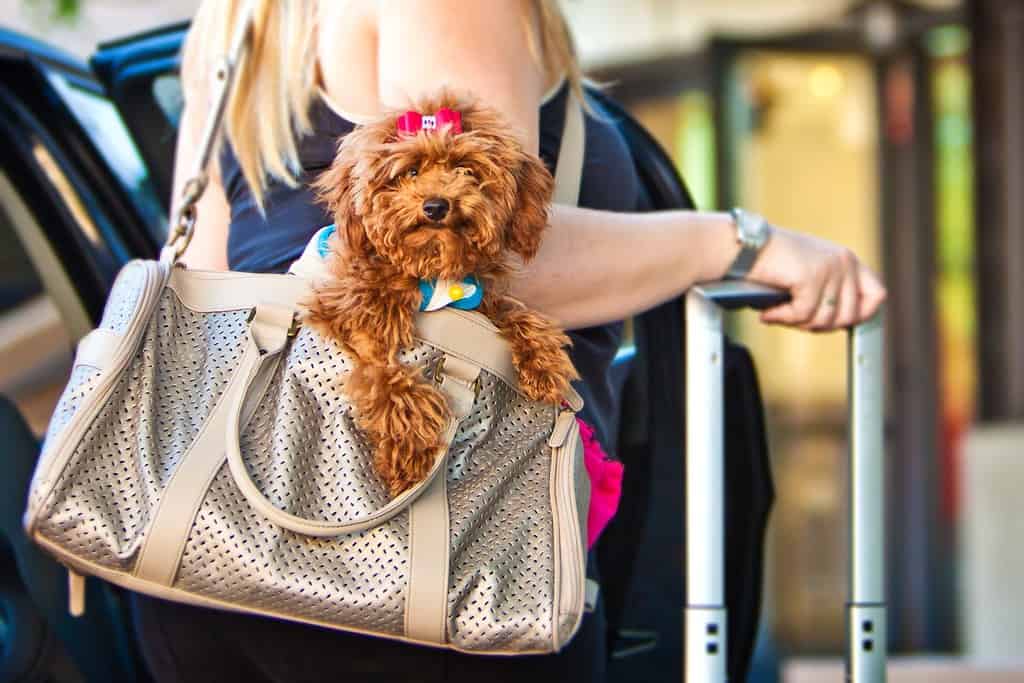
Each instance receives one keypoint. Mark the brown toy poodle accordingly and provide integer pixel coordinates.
(426, 199)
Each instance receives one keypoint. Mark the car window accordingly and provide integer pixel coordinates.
(34, 341)
(18, 281)
(100, 119)
(168, 96)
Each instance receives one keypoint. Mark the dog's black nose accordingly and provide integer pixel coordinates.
(436, 208)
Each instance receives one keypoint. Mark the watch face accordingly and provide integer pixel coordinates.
(760, 230)
(753, 229)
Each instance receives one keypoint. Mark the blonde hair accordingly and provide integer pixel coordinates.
(265, 116)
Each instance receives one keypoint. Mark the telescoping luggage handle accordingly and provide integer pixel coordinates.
(705, 613)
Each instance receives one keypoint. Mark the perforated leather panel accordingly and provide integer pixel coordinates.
(235, 554)
(120, 309)
(502, 576)
(121, 305)
(139, 436)
(124, 297)
(83, 382)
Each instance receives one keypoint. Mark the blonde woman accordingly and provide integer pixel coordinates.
(317, 69)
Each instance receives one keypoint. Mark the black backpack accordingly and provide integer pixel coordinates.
(642, 553)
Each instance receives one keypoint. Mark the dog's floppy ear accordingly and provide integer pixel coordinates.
(340, 189)
(534, 186)
(335, 189)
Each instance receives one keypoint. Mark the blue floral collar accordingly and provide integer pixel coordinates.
(465, 294)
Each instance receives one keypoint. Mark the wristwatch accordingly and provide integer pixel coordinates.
(752, 231)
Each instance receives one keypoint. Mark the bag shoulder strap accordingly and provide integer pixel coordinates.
(183, 222)
(569, 171)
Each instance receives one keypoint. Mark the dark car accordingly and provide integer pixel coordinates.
(85, 182)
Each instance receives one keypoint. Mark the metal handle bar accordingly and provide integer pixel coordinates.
(705, 613)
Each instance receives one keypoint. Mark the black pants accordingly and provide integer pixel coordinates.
(182, 643)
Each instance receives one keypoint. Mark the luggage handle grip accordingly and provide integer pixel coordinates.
(736, 294)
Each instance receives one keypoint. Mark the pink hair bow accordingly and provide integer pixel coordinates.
(412, 122)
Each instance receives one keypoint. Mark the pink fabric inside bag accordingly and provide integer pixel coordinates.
(605, 484)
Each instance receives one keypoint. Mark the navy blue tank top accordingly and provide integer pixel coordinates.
(271, 241)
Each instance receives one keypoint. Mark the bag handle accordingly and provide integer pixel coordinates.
(225, 70)
(456, 379)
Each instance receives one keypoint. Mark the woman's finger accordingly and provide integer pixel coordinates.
(872, 292)
(849, 302)
(828, 305)
(797, 312)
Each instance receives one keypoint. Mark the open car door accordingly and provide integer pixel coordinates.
(140, 76)
(76, 203)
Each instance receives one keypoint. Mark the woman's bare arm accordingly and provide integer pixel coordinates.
(599, 266)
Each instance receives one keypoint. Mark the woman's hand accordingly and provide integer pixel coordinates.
(831, 289)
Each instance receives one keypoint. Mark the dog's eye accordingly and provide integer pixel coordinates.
(466, 171)
(412, 172)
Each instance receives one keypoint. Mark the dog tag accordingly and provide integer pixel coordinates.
(464, 294)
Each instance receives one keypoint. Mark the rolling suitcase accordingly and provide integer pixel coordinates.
(705, 615)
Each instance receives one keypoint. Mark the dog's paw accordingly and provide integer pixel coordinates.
(406, 417)
(538, 352)
(544, 374)
(401, 463)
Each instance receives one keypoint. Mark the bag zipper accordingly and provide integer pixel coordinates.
(80, 422)
(569, 534)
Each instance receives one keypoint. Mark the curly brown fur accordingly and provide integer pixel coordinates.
(498, 196)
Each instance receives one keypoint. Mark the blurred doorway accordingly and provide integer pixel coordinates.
(801, 144)
(868, 145)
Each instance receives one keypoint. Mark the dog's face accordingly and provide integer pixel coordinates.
(437, 204)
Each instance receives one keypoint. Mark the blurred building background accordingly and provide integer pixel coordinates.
(896, 128)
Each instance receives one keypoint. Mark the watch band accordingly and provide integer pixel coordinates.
(743, 262)
(752, 231)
